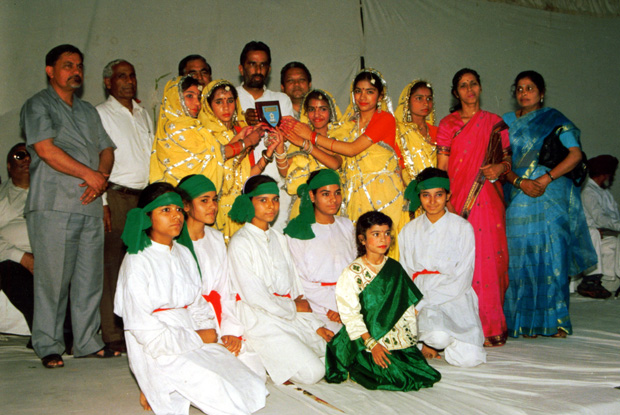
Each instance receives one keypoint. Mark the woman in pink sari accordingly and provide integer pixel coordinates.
(473, 147)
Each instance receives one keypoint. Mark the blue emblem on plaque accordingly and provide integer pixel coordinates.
(269, 112)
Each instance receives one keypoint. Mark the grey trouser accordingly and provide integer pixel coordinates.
(68, 252)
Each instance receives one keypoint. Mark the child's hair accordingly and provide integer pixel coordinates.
(312, 175)
(188, 82)
(430, 172)
(371, 77)
(365, 222)
(255, 181)
(153, 191)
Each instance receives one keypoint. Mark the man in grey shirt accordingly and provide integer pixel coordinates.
(70, 166)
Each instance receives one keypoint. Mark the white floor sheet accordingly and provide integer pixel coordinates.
(577, 375)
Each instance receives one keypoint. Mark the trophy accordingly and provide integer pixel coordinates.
(269, 112)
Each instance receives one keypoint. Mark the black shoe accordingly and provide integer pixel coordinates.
(591, 287)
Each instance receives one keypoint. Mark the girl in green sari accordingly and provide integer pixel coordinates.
(376, 301)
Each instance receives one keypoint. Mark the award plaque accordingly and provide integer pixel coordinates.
(269, 112)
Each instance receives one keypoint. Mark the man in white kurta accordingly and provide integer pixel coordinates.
(320, 261)
(448, 313)
(159, 298)
(603, 219)
(263, 273)
(211, 254)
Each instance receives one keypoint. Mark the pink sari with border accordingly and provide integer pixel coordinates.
(482, 203)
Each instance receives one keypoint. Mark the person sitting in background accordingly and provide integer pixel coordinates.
(16, 259)
(438, 250)
(603, 220)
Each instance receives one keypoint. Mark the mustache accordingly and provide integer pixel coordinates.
(76, 78)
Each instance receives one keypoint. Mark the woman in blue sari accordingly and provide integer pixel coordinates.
(548, 238)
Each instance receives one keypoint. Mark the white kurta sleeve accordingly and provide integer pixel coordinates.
(596, 214)
(349, 307)
(136, 309)
(202, 314)
(453, 280)
(246, 278)
(231, 326)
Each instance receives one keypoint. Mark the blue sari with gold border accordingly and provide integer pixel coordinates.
(548, 238)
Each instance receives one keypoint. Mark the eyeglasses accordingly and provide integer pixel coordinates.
(21, 155)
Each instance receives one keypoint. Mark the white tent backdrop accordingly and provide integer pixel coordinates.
(576, 53)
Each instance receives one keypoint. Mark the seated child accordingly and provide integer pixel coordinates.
(170, 329)
(376, 299)
(202, 208)
(279, 323)
(438, 250)
(322, 244)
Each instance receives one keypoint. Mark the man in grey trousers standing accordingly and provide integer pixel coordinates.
(71, 161)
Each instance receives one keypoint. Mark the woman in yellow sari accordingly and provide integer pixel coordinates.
(321, 114)
(372, 166)
(182, 145)
(222, 117)
(415, 133)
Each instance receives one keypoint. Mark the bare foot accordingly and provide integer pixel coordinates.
(144, 402)
(561, 334)
(106, 352)
(430, 353)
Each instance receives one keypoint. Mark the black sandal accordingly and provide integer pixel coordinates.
(53, 361)
(107, 353)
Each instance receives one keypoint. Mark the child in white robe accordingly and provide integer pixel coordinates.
(438, 250)
(321, 243)
(170, 329)
(210, 248)
(279, 323)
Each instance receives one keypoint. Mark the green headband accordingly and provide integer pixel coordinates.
(301, 226)
(197, 185)
(412, 192)
(134, 234)
(243, 209)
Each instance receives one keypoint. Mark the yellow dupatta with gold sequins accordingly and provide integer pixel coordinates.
(302, 164)
(236, 170)
(418, 152)
(182, 145)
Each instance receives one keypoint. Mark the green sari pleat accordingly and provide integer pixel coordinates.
(384, 300)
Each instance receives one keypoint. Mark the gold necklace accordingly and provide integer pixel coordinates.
(370, 264)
